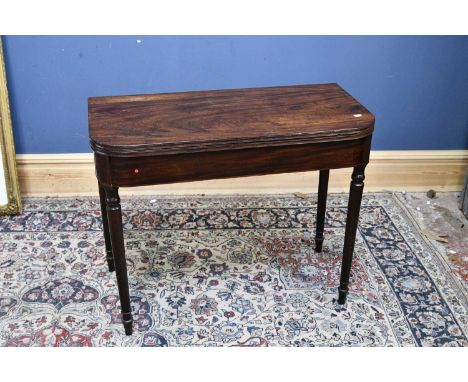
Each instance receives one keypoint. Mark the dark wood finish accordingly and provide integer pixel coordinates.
(160, 169)
(225, 119)
(105, 229)
(354, 205)
(168, 138)
(321, 208)
(114, 215)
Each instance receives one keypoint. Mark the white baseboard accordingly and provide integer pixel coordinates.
(73, 174)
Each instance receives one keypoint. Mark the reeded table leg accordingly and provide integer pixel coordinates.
(114, 214)
(354, 205)
(105, 228)
(321, 208)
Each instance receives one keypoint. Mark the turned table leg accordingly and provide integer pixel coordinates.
(105, 228)
(321, 207)
(354, 205)
(114, 215)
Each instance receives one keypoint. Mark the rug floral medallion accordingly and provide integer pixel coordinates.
(225, 271)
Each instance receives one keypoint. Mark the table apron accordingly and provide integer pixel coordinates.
(175, 168)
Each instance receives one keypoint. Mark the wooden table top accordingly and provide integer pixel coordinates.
(140, 125)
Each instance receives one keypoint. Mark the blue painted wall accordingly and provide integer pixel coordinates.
(416, 86)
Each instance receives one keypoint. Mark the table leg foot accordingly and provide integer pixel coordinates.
(321, 209)
(342, 294)
(127, 321)
(354, 205)
(318, 244)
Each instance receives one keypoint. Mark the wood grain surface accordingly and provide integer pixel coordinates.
(172, 123)
(163, 169)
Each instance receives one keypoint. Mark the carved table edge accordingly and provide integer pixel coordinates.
(187, 147)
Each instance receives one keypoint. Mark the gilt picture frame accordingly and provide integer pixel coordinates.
(10, 200)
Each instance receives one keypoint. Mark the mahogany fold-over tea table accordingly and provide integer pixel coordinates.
(180, 137)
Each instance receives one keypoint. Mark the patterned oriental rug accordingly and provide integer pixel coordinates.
(225, 271)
